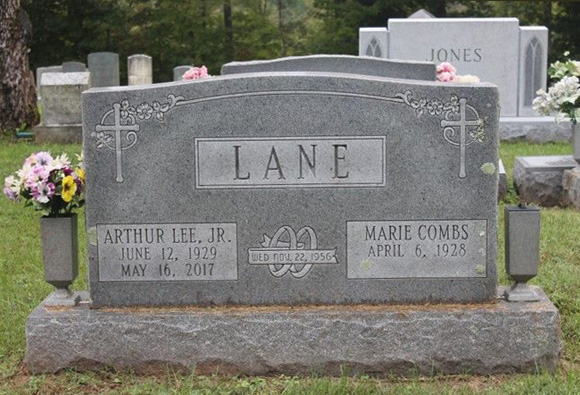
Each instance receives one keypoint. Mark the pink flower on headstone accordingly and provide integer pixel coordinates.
(445, 77)
(446, 67)
(445, 72)
(196, 73)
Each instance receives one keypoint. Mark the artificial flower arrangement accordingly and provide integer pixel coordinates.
(52, 186)
(446, 72)
(564, 96)
(196, 73)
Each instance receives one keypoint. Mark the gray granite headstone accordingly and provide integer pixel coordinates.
(179, 71)
(338, 64)
(291, 188)
(104, 68)
(140, 69)
(73, 67)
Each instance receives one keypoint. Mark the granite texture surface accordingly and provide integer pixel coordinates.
(534, 129)
(538, 179)
(498, 337)
(273, 169)
(363, 65)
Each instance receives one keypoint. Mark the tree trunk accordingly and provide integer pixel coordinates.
(17, 90)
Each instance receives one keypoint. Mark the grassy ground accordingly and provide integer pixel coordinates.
(22, 288)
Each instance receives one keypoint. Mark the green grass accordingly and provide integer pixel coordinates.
(22, 288)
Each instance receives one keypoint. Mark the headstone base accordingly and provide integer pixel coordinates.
(59, 133)
(538, 179)
(534, 129)
(498, 337)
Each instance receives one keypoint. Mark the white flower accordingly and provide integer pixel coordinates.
(468, 78)
(60, 162)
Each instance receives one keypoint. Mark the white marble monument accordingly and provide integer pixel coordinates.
(497, 50)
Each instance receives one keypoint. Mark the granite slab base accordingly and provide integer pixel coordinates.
(539, 179)
(498, 337)
(59, 133)
(534, 129)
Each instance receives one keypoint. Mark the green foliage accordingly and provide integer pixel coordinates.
(194, 31)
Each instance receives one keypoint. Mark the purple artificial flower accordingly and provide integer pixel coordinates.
(42, 192)
(43, 158)
(67, 171)
(39, 174)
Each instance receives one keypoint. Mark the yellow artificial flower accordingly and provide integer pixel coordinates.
(81, 174)
(69, 188)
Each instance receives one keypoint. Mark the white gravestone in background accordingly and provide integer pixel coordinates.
(497, 50)
(61, 106)
(140, 69)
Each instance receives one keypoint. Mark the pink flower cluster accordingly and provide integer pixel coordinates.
(196, 73)
(446, 72)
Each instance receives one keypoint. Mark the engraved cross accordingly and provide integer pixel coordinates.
(463, 123)
(118, 128)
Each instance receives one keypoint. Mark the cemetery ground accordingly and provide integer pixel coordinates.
(22, 287)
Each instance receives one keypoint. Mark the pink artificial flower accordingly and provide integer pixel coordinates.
(38, 174)
(446, 67)
(445, 72)
(196, 73)
(445, 77)
(42, 192)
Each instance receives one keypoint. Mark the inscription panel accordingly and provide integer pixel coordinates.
(420, 249)
(167, 252)
(283, 162)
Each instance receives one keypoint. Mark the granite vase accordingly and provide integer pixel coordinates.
(576, 141)
(60, 254)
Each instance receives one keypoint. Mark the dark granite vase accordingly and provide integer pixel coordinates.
(60, 253)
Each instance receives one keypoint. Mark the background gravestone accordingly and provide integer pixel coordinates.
(73, 67)
(104, 68)
(140, 69)
(497, 50)
(179, 71)
(337, 64)
(61, 106)
(48, 69)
